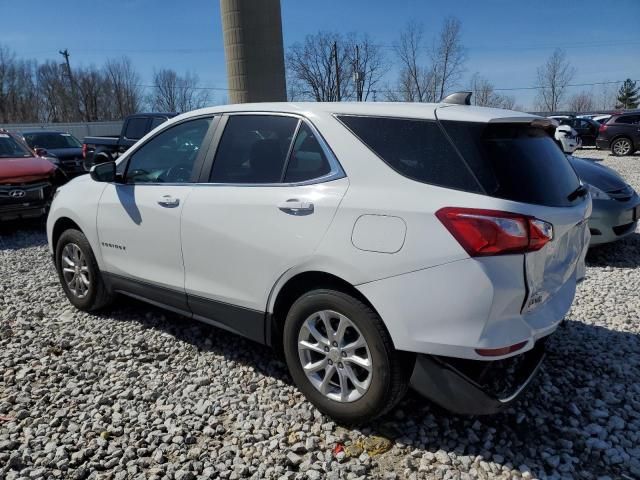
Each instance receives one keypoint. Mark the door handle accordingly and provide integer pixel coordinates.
(293, 206)
(168, 201)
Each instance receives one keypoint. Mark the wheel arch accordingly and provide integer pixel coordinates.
(59, 227)
(623, 135)
(285, 294)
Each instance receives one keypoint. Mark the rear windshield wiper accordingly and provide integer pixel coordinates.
(581, 191)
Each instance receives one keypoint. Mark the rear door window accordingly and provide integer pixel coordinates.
(417, 149)
(516, 162)
(308, 160)
(253, 149)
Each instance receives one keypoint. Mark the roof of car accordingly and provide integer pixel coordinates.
(383, 109)
(30, 132)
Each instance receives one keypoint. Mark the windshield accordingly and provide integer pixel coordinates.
(11, 148)
(51, 141)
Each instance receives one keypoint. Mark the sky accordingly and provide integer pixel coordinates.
(506, 40)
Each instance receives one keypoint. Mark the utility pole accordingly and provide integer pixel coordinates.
(65, 53)
(335, 57)
(358, 76)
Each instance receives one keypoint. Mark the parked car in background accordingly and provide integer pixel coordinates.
(27, 181)
(586, 128)
(621, 134)
(376, 250)
(61, 148)
(567, 138)
(616, 205)
(103, 149)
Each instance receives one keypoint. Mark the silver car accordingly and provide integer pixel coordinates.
(616, 205)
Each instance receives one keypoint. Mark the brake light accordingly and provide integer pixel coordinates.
(84, 150)
(492, 232)
(603, 128)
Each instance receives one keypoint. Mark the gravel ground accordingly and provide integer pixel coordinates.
(137, 392)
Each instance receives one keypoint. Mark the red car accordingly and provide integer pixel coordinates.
(27, 182)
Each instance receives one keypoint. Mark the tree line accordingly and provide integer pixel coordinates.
(53, 92)
(325, 67)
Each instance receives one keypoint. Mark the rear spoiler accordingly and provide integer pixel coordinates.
(540, 122)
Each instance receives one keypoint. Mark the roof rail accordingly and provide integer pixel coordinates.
(458, 98)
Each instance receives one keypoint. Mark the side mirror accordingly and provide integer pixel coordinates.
(103, 172)
(41, 152)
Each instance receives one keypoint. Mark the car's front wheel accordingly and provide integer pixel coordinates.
(622, 146)
(341, 357)
(79, 273)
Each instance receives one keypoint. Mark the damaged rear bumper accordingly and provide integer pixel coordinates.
(472, 387)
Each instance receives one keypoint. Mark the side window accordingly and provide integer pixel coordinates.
(169, 157)
(307, 160)
(416, 149)
(628, 119)
(253, 149)
(136, 128)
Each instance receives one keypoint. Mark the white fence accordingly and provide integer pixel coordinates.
(77, 129)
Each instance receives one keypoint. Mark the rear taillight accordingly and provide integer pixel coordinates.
(492, 232)
(496, 352)
(84, 150)
(603, 128)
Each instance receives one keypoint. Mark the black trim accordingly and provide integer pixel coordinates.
(242, 321)
(163, 296)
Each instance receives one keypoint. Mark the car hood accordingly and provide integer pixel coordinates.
(22, 170)
(604, 178)
(62, 153)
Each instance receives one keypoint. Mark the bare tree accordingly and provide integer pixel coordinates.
(581, 102)
(606, 99)
(552, 80)
(92, 88)
(123, 84)
(18, 99)
(175, 93)
(323, 67)
(57, 101)
(448, 56)
(368, 65)
(416, 82)
(484, 94)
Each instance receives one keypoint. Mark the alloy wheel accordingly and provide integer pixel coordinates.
(75, 270)
(622, 147)
(335, 356)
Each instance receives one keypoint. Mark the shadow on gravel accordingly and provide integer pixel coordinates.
(16, 234)
(560, 424)
(624, 253)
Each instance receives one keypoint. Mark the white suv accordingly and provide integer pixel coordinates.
(378, 245)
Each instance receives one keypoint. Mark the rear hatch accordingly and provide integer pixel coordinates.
(516, 159)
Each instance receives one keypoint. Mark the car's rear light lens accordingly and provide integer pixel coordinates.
(84, 150)
(603, 128)
(492, 232)
(497, 352)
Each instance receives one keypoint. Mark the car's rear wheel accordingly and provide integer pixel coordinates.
(622, 146)
(341, 357)
(79, 273)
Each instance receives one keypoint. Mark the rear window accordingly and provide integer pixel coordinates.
(51, 140)
(416, 149)
(516, 162)
(136, 128)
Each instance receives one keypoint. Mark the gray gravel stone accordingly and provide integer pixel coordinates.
(136, 392)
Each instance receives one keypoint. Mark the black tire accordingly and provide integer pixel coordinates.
(622, 146)
(390, 369)
(97, 295)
